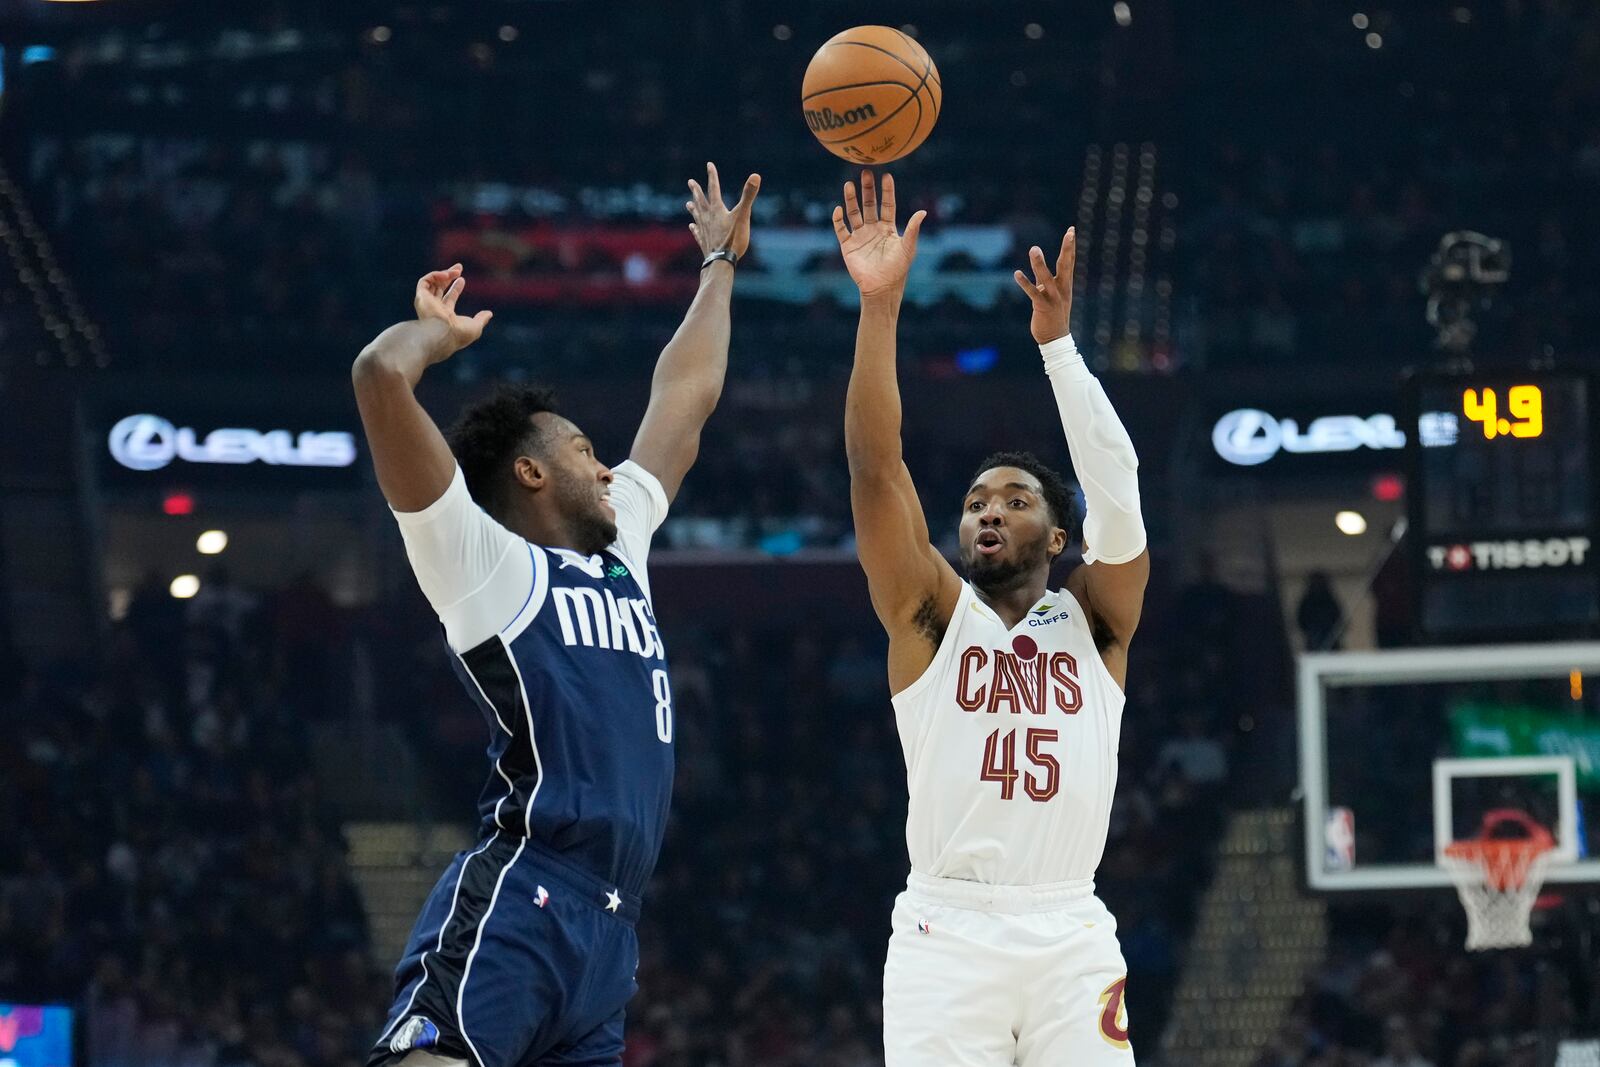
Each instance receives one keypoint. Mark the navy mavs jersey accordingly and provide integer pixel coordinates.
(525, 951)
(578, 703)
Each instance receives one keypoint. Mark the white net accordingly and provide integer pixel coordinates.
(1498, 882)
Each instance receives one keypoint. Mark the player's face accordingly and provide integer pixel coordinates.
(1006, 529)
(582, 486)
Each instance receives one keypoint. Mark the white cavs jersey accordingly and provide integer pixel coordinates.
(1010, 741)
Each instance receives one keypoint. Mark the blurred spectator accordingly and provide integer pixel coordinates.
(1319, 615)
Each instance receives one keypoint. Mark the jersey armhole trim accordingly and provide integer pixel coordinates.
(538, 590)
(925, 679)
(1081, 620)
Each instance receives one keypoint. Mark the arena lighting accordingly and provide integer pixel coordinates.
(184, 586)
(1388, 488)
(211, 543)
(177, 502)
(508, 34)
(782, 32)
(1359, 20)
(1033, 31)
(1374, 40)
(1122, 13)
(1351, 523)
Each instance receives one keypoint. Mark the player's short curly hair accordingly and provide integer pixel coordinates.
(490, 433)
(1057, 497)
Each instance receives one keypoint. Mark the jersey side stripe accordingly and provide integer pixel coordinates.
(477, 943)
(455, 899)
(533, 745)
(499, 768)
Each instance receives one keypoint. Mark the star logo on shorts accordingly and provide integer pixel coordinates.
(613, 900)
(416, 1032)
(542, 897)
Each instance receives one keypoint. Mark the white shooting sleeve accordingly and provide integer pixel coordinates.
(1102, 455)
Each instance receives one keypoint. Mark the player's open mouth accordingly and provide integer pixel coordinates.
(988, 542)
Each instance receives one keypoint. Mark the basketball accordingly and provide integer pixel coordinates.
(871, 95)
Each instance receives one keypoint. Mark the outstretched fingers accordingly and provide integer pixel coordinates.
(452, 294)
(869, 196)
(1067, 261)
(839, 229)
(713, 184)
(852, 206)
(747, 195)
(1041, 271)
(913, 230)
(886, 205)
(436, 281)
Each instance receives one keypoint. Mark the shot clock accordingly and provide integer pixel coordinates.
(1502, 504)
(1523, 414)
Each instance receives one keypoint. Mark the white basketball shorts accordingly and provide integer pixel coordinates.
(992, 976)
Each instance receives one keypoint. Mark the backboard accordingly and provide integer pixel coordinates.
(1404, 751)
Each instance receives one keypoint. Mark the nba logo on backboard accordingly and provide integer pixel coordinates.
(1339, 840)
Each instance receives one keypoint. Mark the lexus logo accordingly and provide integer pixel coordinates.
(149, 442)
(1247, 437)
(144, 442)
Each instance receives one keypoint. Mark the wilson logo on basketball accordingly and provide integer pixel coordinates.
(829, 119)
(1114, 1014)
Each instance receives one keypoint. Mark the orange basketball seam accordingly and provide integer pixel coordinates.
(856, 85)
(915, 48)
(879, 48)
(928, 71)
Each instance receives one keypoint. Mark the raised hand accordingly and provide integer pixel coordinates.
(877, 256)
(715, 226)
(435, 298)
(1051, 293)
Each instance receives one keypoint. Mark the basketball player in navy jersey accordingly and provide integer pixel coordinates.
(532, 552)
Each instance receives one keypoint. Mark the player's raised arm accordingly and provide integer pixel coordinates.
(1117, 561)
(689, 374)
(913, 588)
(413, 463)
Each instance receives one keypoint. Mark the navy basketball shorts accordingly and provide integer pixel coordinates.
(518, 959)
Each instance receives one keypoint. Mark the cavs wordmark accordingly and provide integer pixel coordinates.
(992, 680)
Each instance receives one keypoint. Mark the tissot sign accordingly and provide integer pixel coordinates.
(1510, 555)
(1248, 437)
(145, 442)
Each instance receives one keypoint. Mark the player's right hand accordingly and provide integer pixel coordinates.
(877, 256)
(435, 298)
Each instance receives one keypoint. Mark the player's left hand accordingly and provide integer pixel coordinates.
(1051, 293)
(435, 298)
(715, 226)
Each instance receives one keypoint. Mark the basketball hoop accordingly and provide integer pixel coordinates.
(1498, 878)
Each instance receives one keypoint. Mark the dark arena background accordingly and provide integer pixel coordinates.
(1338, 273)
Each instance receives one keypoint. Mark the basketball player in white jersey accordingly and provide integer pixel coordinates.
(1007, 694)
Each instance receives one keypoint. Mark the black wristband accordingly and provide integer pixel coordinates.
(722, 253)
